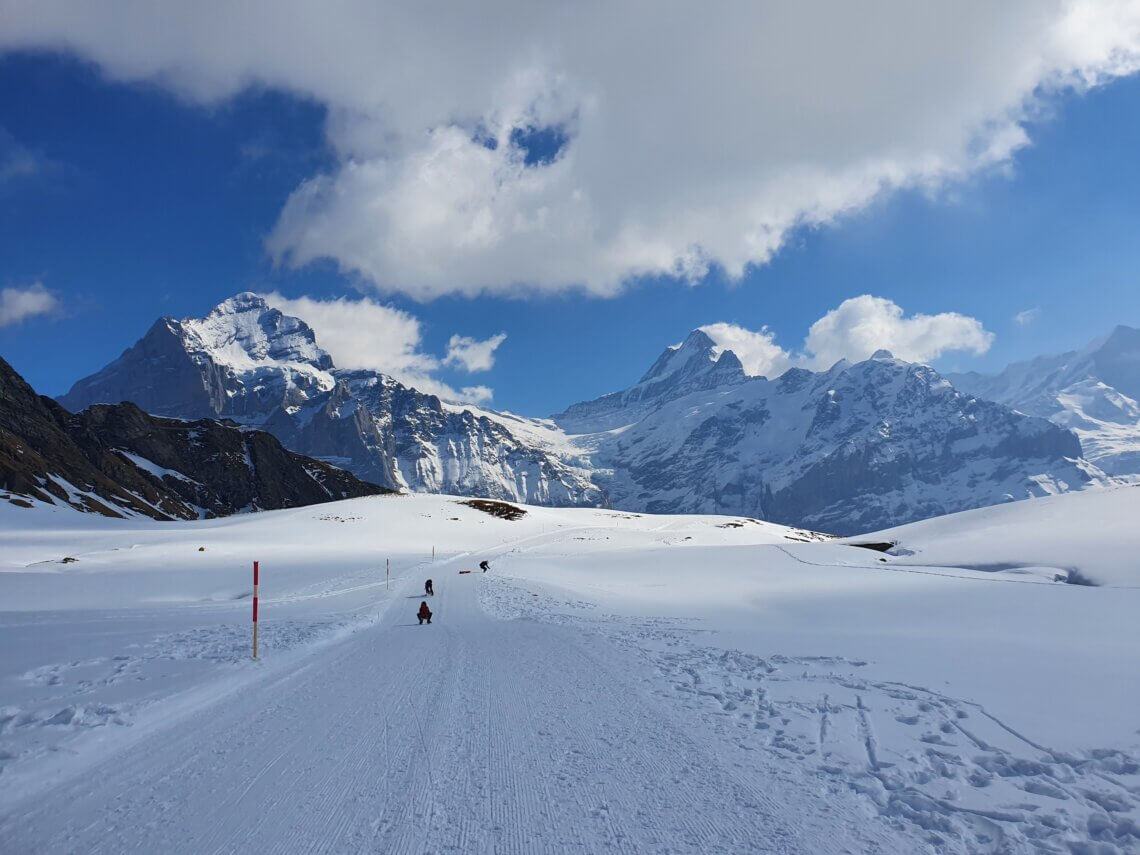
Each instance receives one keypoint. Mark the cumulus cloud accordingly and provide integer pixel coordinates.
(854, 330)
(1026, 317)
(366, 334)
(471, 354)
(860, 326)
(19, 304)
(757, 351)
(693, 137)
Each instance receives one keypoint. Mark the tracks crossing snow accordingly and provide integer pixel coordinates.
(469, 735)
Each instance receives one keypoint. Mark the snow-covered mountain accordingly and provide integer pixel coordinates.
(854, 448)
(249, 362)
(1093, 391)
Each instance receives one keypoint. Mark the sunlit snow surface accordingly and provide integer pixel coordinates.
(616, 682)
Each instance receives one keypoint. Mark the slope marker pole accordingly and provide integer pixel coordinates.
(387, 572)
(255, 609)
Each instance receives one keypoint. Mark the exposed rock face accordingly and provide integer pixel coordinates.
(118, 461)
(247, 361)
(855, 448)
(1095, 392)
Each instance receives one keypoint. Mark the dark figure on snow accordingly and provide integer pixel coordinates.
(429, 591)
(485, 566)
(424, 613)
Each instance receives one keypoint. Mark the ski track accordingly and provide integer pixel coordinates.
(469, 735)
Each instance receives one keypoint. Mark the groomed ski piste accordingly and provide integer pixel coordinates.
(616, 682)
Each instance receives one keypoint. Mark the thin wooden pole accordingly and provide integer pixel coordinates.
(255, 609)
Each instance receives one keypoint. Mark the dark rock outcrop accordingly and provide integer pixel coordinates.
(117, 460)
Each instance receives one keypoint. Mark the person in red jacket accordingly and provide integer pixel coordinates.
(424, 613)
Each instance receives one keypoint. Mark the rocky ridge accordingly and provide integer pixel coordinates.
(119, 461)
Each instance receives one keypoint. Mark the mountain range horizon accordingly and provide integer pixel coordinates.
(857, 446)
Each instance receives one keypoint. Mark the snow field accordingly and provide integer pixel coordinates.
(618, 682)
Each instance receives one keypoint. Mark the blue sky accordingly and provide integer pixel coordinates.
(134, 201)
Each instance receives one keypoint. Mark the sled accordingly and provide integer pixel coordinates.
(461, 572)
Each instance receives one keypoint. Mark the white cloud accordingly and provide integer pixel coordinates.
(471, 354)
(367, 334)
(854, 330)
(861, 325)
(476, 395)
(1026, 317)
(757, 351)
(18, 304)
(697, 137)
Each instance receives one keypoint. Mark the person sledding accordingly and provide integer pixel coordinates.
(429, 591)
(484, 566)
(424, 613)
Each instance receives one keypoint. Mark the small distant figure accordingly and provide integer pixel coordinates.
(429, 591)
(484, 566)
(424, 613)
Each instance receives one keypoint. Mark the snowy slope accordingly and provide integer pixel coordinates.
(1096, 534)
(617, 681)
(1093, 392)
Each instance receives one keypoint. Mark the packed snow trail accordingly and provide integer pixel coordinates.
(469, 735)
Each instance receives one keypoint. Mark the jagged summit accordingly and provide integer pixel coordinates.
(245, 329)
(244, 301)
(697, 364)
(691, 354)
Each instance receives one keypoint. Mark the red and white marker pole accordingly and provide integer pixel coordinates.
(254, 609)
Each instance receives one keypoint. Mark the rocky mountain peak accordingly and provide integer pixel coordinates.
(695, 364)
(698, 351)
(243, 302)
(1117, 361)
(245, 329)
